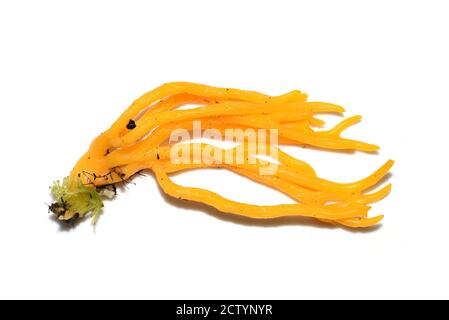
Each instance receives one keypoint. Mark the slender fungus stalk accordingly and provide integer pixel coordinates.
(139, 140)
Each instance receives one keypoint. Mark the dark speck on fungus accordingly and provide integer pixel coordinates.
(131, 124)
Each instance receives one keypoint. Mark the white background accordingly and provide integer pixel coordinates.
(69, 68)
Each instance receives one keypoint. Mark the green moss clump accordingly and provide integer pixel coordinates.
(75, 200)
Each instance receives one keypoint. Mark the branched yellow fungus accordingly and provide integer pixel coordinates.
(140, 140)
